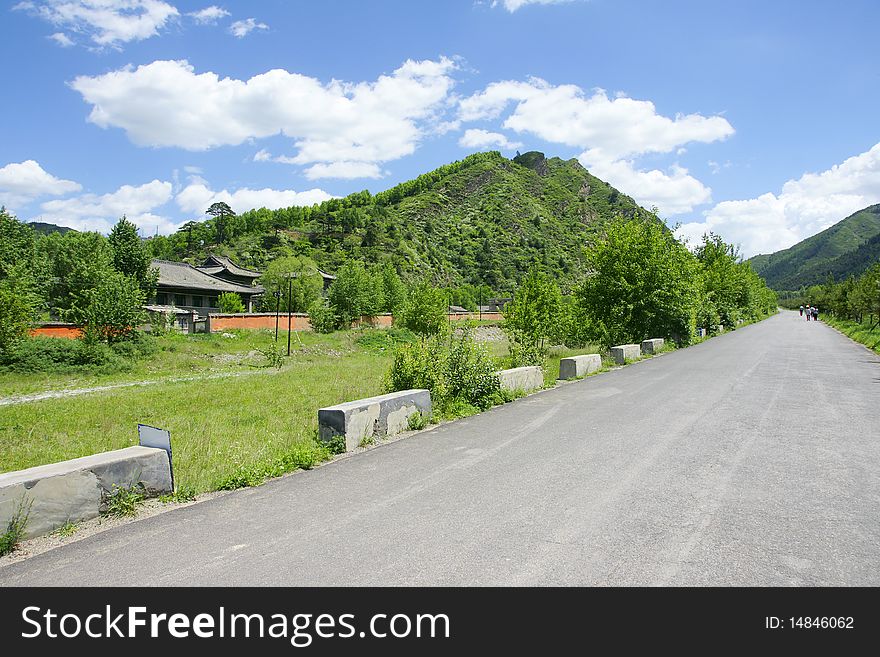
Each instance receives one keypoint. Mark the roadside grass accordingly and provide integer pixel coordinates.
(866, 333)
(222, 429)
(179, 355)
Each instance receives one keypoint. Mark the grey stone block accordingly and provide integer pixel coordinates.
(624, 352)
(701, 333)
(522, 378)
(575, 366)
(385, 415)
(76, 490)
(652, 346)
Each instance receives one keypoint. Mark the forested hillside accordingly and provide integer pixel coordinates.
(847, 248)
(480, 221)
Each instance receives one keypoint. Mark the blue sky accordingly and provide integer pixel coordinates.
(756, 120)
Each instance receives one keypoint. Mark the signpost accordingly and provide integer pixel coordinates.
(160, 439)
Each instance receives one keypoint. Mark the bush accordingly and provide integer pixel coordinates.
(230, 302)
(114, 310)
(59, 355)
(321, 318)
(457, 371)
(426, 311)
(16, 313)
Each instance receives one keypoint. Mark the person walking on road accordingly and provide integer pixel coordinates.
(802, 310)
(808, 312)
(815, 312)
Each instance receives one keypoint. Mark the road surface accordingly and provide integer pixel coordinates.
(749, 459)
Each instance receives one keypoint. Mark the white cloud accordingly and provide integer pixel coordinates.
(208, 15)
(21, 182)
(673, 192)
(101, 212)
(61, 39)
(344, 170)
(513, 5)
(801, 209)
(197, 197)
(476, 138)
(105, 22)
(241, 29)
(609, 129)
(193, 170)
(367, 123)
(612, 132)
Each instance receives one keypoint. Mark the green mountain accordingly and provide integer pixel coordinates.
(480, 221)
(848, 247)
(46, 229)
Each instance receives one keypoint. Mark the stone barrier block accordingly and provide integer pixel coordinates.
(385, 415)
(701, 333)
(652, 346)
(522, 378)
(576, 366)
(76, 490)
(624, 352)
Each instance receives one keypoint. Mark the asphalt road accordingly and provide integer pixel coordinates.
(750, 459)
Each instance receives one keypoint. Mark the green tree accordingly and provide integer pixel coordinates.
(305, 287)
(393, 289)
(81, 263)
(426, 312)
(534, 315)
(16, 315)
(230, 302)
(115, 308)
(643, 283)
(131, 257)
(354, 293)
(222, 214)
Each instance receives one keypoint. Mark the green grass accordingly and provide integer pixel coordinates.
(244, 428)
(860, 332)
(184, 356)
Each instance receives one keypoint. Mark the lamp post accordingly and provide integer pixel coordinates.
(277, 311)
(289, 309)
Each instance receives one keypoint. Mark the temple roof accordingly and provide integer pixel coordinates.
(183, 275)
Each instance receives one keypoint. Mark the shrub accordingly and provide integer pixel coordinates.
(322, 318)
(123, 502)
(457, 371)
(16, 313)
(10, 538)
(44, 354)
(426, 311)
(230, 302)
(114, 309)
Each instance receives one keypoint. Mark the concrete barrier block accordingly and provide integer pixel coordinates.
(652, 346)
(76, 490)
(701, 333)
(385, 415)
(624, 352)
(522, 378)
(575, 366)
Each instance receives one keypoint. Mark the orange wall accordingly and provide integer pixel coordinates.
(299, 322)
(71, 332)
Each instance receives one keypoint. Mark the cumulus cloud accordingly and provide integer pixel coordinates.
(611, 132)
(513, 5)
(674, 191)
(208, 15)
(101, 212)
(476, 138)
(362, 123)
(21, 182)
(608, 128)
(197, 197)
(105, 22)
(802, 208)
(241, 29)
(344, 170)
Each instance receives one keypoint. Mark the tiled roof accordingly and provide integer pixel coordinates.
(216, 263)
(183, 275)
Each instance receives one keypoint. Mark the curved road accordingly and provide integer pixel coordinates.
(750, 459)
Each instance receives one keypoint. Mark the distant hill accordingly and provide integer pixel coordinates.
(46, 229)
(480, 221)
(848, 247)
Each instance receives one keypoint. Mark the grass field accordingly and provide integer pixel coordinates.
(867, 333)
(218, 426)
